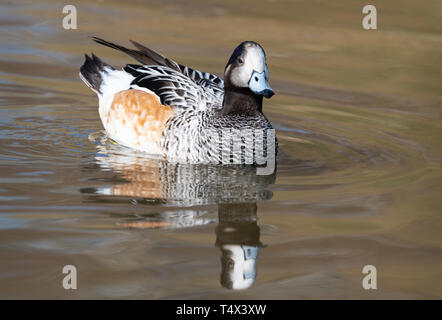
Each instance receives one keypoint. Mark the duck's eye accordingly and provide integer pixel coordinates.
(240, 60)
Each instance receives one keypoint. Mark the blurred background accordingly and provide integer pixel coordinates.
(357, 114)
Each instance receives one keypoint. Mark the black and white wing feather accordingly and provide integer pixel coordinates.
(176, 89)
(202, 77)
(195, 75)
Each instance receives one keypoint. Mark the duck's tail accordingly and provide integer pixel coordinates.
(143, 54)
(93, 71)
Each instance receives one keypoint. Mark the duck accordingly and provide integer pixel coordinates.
(181, 114)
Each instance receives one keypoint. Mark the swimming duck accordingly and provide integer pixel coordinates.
(182, 114)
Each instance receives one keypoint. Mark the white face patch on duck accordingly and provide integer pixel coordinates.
(248, 62)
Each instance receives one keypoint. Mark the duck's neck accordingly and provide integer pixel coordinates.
(241, 101)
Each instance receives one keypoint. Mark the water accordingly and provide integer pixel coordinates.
(358, 181)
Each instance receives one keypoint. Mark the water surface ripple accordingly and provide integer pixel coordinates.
(358, 179)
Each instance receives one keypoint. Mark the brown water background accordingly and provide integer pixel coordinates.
(358, 118)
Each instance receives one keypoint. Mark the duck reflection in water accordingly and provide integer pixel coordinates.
(179, 188)
(237, 235)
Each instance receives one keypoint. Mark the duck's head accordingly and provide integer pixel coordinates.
(247, 68)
